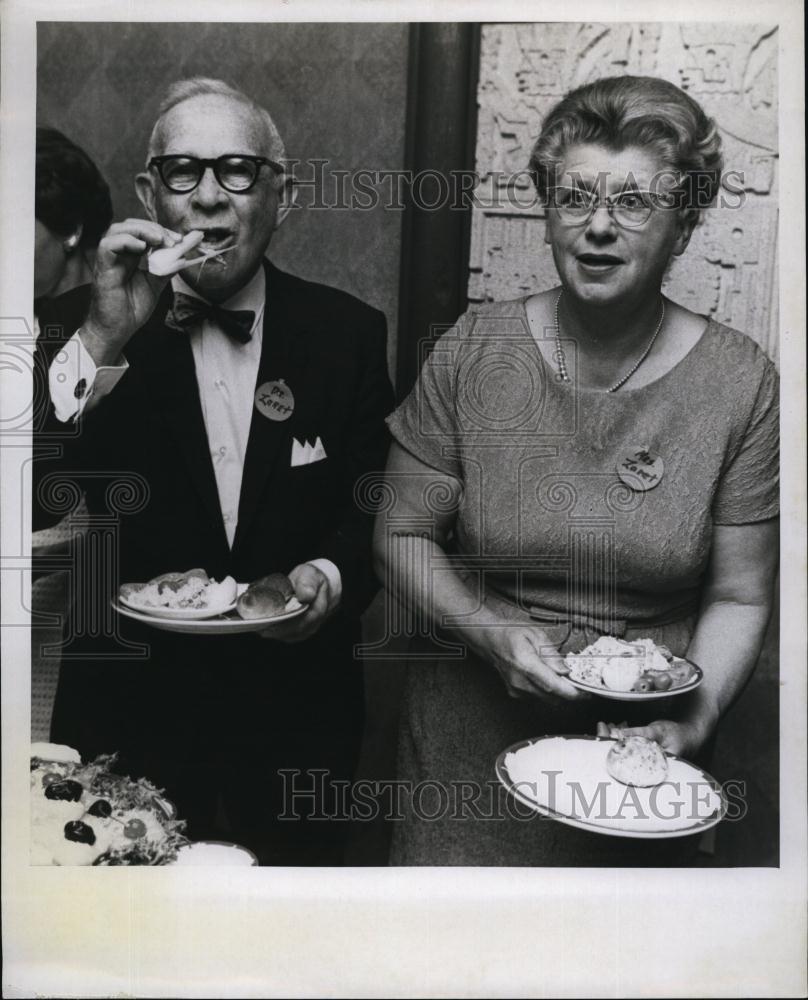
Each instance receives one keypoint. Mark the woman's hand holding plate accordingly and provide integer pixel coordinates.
(528, 663)
(683, 738)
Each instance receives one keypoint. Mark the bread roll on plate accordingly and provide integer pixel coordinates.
(635, 760)
(267, 597)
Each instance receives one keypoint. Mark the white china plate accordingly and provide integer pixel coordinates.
(565, 779)
(223, 624)
(215, 853)
(603, 692)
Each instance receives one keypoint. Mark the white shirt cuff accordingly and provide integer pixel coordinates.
(76, 384)
(334, 577)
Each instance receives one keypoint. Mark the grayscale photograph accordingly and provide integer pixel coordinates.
(403, 475)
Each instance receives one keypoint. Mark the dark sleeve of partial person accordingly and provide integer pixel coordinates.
(57, 447)
(349, 546)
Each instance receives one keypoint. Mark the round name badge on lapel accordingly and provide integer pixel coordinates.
(640, 469)
(275, 400)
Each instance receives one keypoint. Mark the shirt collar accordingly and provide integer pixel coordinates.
(251, 296)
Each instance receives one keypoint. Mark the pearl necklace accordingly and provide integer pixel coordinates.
(561, 358)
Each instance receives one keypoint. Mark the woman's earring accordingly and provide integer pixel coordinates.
(71, 243)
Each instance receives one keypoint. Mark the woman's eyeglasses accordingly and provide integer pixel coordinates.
(235, 173)
(576, 206)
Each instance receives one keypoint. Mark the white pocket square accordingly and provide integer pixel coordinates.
(305, 453)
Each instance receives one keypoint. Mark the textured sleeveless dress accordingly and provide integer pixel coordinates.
(547, 533)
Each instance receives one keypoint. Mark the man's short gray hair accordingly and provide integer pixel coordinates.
(199, 86)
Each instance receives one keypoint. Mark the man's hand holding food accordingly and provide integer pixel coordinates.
(124, 294)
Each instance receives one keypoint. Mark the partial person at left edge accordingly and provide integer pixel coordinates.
(167, 380)
(73, 209)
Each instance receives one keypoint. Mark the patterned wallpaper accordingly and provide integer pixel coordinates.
(336, 91)
(730, 268)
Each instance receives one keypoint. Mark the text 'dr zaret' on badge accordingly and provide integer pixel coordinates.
(275, 400)
(641, 469)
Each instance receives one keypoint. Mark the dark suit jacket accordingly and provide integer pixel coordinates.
(59, 318)
(143, 458)
(149, 433)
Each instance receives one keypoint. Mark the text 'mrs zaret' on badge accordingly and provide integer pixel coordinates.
(641, 469)
(275, 400)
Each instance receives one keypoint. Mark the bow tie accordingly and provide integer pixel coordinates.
(188, 310)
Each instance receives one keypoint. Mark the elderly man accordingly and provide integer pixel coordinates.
(250, 402)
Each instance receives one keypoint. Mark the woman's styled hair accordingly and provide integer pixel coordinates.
(644, 111)
(70, 191)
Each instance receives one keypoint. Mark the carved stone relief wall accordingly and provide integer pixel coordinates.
(730, 268)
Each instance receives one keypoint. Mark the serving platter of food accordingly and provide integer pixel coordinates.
(627, 787)
(193, 603)
(86, 814)
(631, 671)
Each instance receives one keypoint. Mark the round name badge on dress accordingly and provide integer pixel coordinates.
(641, 470)
(275, 400)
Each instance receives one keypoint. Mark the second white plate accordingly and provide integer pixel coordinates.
(565, 778)
(603, 692)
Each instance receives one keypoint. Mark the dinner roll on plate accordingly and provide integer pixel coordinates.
(635, 760)
(266, 597)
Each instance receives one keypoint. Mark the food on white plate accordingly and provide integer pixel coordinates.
(84, 814)
(566, 777)
(654, 657)
(191, 590)
(682, 672)
(620, 673)
(639, 666)
(56, 752)
(610, 662)
(635, 760)
(271, 595)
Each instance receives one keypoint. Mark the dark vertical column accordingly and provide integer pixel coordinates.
(441, 134)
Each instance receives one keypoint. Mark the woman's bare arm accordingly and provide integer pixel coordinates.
(409, 547)
(735, 610)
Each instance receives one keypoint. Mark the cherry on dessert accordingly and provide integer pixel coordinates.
(67, 790)
(134, 829)
(80, 832)
(100, 808)
(50, 777)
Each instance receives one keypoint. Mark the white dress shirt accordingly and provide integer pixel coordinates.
(226, 372)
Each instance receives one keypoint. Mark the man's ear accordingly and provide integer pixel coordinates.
(144, 189)
(287, 196)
